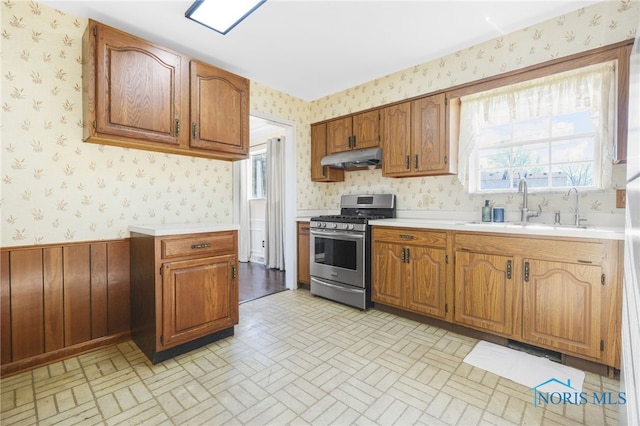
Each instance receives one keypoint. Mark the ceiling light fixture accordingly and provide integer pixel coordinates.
(221, 15)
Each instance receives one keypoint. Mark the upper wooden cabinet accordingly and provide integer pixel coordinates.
(354, 132)
(219, 110)
(137, 94)
(321, 173)
(415, 138)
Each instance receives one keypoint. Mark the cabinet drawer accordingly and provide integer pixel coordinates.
(200, 244)
(410, 236)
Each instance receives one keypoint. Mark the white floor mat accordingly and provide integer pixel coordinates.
(529, 370)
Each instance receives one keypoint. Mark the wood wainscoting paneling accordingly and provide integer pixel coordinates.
(59, 300)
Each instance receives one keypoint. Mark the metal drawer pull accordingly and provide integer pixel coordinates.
(201, 245)
(584, 261)
(406, 236)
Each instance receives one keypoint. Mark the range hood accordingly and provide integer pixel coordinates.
(356, 158)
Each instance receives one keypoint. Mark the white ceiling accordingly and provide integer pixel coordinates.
(314, 48)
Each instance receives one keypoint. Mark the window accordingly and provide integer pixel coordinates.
(556, 132)
(258, 176)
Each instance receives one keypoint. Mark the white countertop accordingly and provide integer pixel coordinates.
(163, 229)
(530, 228)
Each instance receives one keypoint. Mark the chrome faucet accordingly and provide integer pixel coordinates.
(577, 217)
(525, 214)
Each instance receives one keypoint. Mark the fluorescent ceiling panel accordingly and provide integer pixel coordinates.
(221, 15)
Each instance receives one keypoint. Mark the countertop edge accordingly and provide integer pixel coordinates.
(603, 233)
(165, 229)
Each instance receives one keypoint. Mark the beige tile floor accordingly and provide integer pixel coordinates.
(294, 359)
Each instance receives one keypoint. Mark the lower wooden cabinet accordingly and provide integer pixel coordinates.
(304, 275)
(561, 294)
(409, 270)
(562, 306)
(196, 298)
(485, 295)
(184, 291)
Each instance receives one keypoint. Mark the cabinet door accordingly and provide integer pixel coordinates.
(426, 280)
(484, 291)
(137, 88)
(339, 134)
(321, 173)
(561, 306)
(396, 139)
(304, 275)
(430, 153)
(199, 297)
(219, 110)
(387, 274)
(366, 130)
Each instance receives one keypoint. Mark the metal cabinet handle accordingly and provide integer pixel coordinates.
(200, 246)
(406, 236)
(526, 271)
(404, 255)
(509, 269)
(408, 256)
(194, 130)
(355, 143)
(416, 161)
(407, 162)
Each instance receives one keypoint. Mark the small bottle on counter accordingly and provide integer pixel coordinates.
(498, 214)
(486, 212)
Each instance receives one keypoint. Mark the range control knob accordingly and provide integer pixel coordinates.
(351, 226)
(345, 226)
(334, 225)
(323, 225)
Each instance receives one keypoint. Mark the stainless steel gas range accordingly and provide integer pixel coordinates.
(340, 249)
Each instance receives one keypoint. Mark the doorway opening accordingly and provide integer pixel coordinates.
(255, 278)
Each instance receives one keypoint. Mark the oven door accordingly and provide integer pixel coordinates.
(338, 256)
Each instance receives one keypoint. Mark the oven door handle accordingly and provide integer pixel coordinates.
(329, 234)
(339, 287)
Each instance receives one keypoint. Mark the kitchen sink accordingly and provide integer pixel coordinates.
(529, 225)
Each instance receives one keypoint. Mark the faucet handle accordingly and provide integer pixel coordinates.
(538, 213)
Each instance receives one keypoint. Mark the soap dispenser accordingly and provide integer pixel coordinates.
(486, 212)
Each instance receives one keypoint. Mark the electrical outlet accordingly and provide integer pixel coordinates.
(621, 198)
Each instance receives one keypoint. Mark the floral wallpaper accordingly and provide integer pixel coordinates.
(597, 25)
(55, 188)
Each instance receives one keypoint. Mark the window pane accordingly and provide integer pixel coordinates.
(495, 135)
(494, 157)
(573, 150)
(258, 175)
(577, 174)
(572, 124)
(538, 178)
(495, 179)
(534, 129)
(531, 155)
